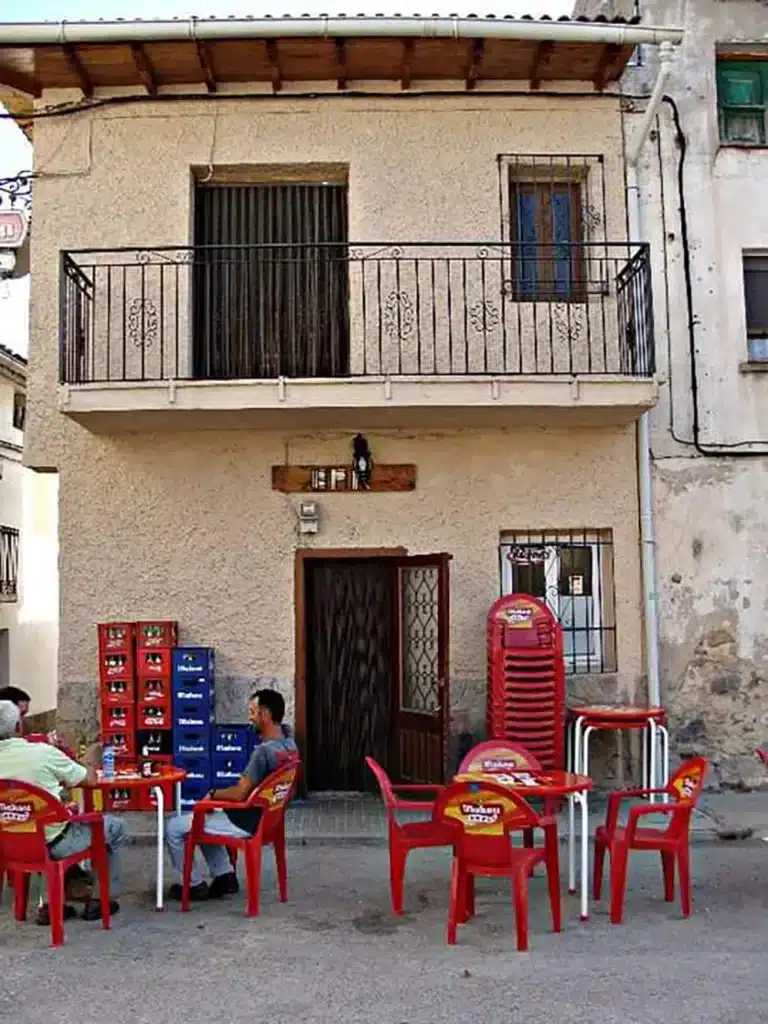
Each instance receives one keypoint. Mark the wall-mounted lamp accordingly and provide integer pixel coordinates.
(362, 462)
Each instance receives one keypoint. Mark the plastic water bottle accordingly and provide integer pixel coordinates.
(108, 762)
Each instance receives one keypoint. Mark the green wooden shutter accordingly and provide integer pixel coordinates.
(742, 95)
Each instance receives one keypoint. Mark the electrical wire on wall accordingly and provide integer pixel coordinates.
(714, 449)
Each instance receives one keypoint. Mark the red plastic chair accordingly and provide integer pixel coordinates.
(25, 810)
(502, 756)
(483, 816)
(672, 843)
(272, 797)
(414, 835)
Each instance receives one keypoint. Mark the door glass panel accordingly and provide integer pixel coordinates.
(420, 639)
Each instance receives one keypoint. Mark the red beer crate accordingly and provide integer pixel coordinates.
(118, 718)
(123, 740)
(149, 766)
(154, 662)
(117, 691)
(154, 714)
(153, 690)
(163, 633)
(116, 637)
(121, 798)
(148, 798)
(116, 665)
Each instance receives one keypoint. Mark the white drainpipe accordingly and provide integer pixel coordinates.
(647, 533)
(202, 29)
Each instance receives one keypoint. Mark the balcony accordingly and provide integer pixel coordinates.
(9, 563)
(431, 334)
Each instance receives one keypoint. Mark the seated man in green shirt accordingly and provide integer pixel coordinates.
(49, 768)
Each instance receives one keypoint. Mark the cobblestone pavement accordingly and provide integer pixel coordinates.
(334, 953)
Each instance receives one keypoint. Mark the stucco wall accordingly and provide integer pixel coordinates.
(419, 170)
(711, 518)
(186, 526)
(28, 502)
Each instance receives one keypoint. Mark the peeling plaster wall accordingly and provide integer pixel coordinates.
(711, 513)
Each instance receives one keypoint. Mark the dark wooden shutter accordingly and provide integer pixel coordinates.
(271, 281)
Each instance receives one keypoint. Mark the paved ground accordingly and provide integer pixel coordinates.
(362, 819)
(334, 953)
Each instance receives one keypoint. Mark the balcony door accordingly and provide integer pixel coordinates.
(271, 287)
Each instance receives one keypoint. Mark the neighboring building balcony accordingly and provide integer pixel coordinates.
(9, 563)
(342, 335)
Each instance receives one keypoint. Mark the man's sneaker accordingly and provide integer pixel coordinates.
(43, 915)
(223, 885)
(92, 909)
(197, 893)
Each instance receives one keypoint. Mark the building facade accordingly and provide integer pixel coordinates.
(703, 178)
(28, 527)
(414, 247)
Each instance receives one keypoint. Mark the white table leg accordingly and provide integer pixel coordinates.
(177, 787)
(585, 755)
(644, 781)
(653, 743)
(576, 755)
(664, 767)
(582, 797)
(159, 796)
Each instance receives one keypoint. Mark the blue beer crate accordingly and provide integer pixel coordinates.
(233, 739)
(191, 791)
(192, 663)
(192, 691)
(197, 767)
(191, 715)
(192, 742)
(227, 769)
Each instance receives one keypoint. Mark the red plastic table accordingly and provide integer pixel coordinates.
(551, 784)
(147, 783)
(585, 719)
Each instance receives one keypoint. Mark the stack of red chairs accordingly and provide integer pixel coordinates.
(526, 678)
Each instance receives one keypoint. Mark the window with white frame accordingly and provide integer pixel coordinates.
(572, 572)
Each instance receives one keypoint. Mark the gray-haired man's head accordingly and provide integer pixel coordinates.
(10, 716)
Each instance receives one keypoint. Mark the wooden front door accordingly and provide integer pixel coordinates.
(421, 697)
(349, 645)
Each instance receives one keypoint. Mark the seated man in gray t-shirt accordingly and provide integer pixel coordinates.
(265, 711)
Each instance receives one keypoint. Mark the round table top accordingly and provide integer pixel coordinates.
(617, 712)
(532, 782)
(131, 779)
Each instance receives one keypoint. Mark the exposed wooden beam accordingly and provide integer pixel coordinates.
(341, 64)
(541, 58)
(274, 64)
(144, 68)
(608, 58)
(19, 81)
(475, 60)
(405, 76)
(77, 68)
(206, 65)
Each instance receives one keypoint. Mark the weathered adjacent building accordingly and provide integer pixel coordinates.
(703, 185)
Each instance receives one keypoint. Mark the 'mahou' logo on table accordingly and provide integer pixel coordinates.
(482, 814)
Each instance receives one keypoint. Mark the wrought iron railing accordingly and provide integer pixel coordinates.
(298, 311)
(9, 563)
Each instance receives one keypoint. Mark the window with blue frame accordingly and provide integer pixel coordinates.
(742, 101)
(547, 241)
